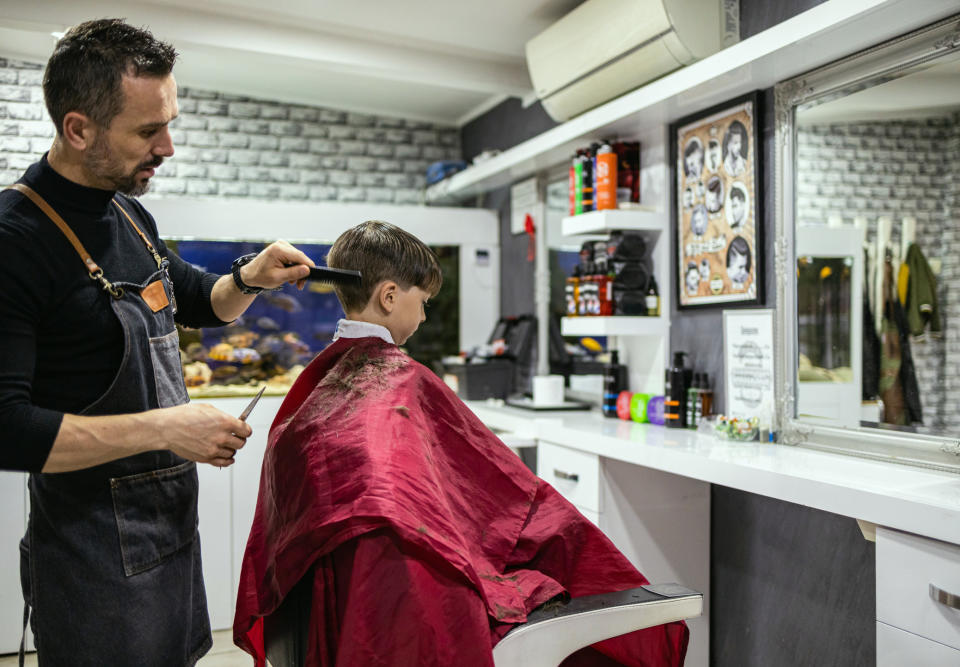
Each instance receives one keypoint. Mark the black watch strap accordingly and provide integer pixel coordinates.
(235, 270)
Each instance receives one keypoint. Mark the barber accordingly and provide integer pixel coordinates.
(92, 399)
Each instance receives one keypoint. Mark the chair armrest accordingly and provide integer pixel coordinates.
(554, 631)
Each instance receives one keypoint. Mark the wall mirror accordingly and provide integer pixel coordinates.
(868, 252)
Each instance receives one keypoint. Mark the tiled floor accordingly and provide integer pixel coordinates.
(223, 654)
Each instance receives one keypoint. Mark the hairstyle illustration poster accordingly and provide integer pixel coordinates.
(717, 206)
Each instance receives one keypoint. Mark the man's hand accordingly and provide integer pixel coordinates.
(278, 263)
(201, 433)
(194, 431)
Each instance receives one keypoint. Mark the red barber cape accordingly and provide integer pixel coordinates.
(425, 537)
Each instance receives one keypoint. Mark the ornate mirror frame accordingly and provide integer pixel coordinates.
(857, 72)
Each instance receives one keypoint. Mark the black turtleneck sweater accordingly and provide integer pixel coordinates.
(60, 342)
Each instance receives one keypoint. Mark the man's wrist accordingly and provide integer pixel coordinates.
(238, 278)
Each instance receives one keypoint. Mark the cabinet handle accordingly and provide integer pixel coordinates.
(945, 598)
(572, 476)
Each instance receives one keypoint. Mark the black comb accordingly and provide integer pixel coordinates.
(344, 277)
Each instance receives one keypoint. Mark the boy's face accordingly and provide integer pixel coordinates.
(408, 312)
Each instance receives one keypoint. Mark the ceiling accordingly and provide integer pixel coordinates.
(434, 60)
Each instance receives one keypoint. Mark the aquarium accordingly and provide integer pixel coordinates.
(283, 330)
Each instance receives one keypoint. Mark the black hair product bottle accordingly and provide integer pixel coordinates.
(614, 381)
(675, 407)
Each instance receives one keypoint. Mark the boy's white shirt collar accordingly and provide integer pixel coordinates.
(356, 329)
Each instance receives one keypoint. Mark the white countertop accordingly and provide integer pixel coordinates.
(915, 500)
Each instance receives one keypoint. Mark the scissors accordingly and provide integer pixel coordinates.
(247, 410)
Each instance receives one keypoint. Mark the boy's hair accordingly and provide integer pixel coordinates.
(86, 69)
(738, 192)
(381, 251)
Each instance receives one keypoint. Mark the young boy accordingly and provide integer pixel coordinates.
(423, 538)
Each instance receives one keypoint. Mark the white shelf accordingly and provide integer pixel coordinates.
(818, 36)
(620, 325)
(604, 222)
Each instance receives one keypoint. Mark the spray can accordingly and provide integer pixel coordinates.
(586, 162)
(606, 178)
(577, 184)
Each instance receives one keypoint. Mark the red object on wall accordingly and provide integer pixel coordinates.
(531, 231)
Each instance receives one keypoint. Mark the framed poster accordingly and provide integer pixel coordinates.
(717, 206)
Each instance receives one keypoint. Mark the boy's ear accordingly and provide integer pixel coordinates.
(387, 295)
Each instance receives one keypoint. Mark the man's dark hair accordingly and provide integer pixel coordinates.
(88, 64)
(738, 193)
(381, 251)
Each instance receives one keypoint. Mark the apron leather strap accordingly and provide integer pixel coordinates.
(41, 203)
(156, 255)
(96, 273)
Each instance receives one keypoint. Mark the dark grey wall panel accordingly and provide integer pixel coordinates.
(503, 127)
(758, 15)
(790, 585)
(699, 331)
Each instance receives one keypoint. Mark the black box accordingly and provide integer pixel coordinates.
(486, 379)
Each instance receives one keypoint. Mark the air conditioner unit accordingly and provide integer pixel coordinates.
(605, 48)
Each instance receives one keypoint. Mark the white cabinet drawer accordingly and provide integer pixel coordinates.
(896, 648)
(575, 474)
(906, 567)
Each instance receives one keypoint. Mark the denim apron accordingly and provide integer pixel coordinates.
(110, 564)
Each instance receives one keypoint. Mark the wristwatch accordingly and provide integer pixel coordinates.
(235, 270)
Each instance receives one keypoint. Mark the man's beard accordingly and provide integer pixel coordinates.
(101, 161)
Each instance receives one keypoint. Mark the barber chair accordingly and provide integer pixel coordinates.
(552, 631)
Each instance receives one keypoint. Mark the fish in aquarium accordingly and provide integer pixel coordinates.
(282, 301)
(242, 338)
(246, 355)
(280, 332)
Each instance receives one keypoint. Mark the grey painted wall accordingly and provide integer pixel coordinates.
(502, 127)
(758, 15)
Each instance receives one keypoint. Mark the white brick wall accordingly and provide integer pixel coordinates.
(230, 146)
(896, 169)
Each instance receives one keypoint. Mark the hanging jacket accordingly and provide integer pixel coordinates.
(917, 287)
(898, 378)
(872, 353)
